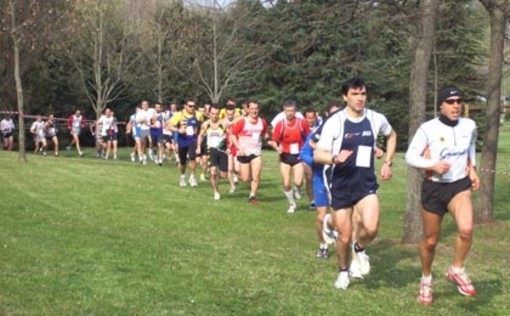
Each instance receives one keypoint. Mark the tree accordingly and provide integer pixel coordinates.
(99, 49)
(424, 38)
(21, 18)
(498, 11)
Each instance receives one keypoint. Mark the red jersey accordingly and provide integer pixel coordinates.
(291, 135)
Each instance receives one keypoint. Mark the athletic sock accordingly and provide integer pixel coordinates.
(426, 278)
(289, 196)
(357, 248)
(324, 246)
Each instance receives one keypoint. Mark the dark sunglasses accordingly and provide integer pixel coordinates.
(190, 106)
(453, 101)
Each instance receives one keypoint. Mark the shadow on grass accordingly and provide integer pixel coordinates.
(388, 271)
(487, 290)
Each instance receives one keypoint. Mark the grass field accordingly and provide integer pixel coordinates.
(80, 236)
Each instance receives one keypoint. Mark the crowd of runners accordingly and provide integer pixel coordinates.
(332, 158)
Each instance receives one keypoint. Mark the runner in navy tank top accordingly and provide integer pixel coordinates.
(347, 146)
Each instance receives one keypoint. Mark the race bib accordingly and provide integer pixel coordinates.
(190, 131)
(363, 156)
(294, 148)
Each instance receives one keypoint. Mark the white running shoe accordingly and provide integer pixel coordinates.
(202, 177)
(235, 178)
(297, 193)
(363, 260)
(193, 181)
(354, 269)
(182, 181)
(232, 189)
(342, 281)
(327, 233)
(292, 208)
(217, 196)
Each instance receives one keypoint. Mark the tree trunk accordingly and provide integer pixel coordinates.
(19, 86)
(413, 229)
(485, 201)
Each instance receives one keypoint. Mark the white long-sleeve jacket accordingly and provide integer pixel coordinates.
(435, 141)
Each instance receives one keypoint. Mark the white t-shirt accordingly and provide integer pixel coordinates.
(144, 117)
(106, 124)
(38, 128)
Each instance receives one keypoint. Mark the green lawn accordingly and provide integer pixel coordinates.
(92, 237)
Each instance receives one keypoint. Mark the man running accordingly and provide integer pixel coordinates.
(320, 193)
(248, 134)
(157, 125)
(233, 165)
(144, 118)
(186, 123)
(51, 130)
(133, 128)
(215, 134)
(289, 135)
(7, 129)
(75, 123)
(445, 147)
(347, 144)
(37, 130)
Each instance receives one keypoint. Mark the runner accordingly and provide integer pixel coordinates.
(133, 128)
(289, 135)
(214, 133)
(37, 129)
(233, 164)
(143, 118)
(157, 124)
(7, 128)
(51, 130)
(248, 134)
(186, 123)
(320, 195)
(445, 147)
(75, 123)
(347, 143)
(105, 124)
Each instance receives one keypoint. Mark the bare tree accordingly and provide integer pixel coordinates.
(498, 11)
(417, 105)
(99, 49)
(220, 55)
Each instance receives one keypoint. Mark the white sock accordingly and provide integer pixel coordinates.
(289, 196)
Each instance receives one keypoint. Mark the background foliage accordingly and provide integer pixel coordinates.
(300, 49)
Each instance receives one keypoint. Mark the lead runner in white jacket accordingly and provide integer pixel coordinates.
(444, 148)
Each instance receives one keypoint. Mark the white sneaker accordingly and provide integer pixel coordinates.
(235, 178)
(354, 269)
(202, 177)
(217, 196)
(363, 260)
(232, 189)
(182, 181)
(342, 281)
(327, 233)
(297, 194)
(193, 181)
(292, 208)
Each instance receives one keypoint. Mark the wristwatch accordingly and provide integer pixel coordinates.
(389, 162)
